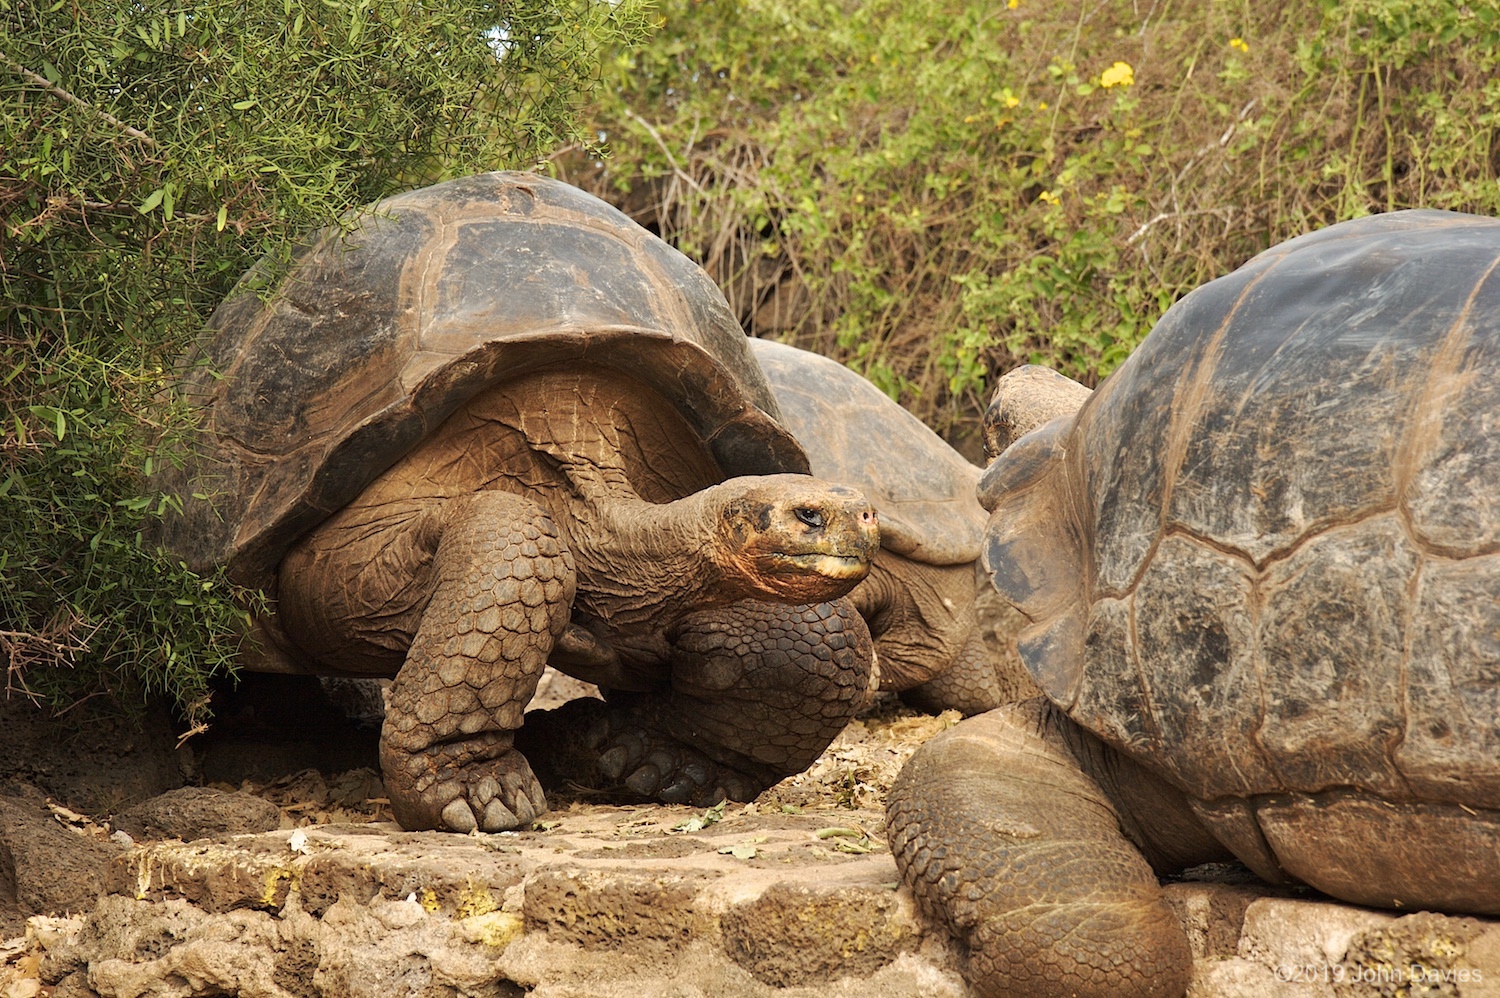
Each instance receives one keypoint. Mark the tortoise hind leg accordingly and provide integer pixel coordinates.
(1001, 836)
(503, 583)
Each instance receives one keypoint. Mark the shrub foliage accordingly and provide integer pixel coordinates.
(932, 191)
(935, 192)
(150, 152)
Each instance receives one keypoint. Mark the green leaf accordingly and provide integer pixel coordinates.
(245, 105)
(152, 201)
(699, 822)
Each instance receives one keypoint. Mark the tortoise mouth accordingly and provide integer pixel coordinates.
(831, 566)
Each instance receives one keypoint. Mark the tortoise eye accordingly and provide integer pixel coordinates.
(811, 517)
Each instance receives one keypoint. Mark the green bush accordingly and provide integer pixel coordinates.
(149, 154)
(936, 192)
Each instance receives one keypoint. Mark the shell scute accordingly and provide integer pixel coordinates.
(1283, 511)
(1195, 635)
(1331, 642)
(1452, 694)
(923, 489)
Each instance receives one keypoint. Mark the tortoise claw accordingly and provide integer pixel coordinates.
(487, 795)
(618, 746)
(457, 817)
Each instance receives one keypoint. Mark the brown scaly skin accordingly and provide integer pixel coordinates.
(928, 640)
(1011, 828)
(757, 690)
(485, 584)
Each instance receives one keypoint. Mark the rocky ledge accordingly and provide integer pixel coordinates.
(296, 886)
(649, 901)
(793, 896)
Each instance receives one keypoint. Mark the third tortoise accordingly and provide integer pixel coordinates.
(919, 599)
(1262, 565)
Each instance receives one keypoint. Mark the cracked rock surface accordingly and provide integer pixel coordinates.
(793, 896)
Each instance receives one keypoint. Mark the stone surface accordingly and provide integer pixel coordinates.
(647, 901)
(637, 894)
(46, 867)
(198, 812)
(92, 758)
(792, 897)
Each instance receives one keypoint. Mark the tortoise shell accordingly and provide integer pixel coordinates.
(854, 433)
(376, 334)
(1265, 555)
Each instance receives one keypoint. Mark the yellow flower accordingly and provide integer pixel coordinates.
(1012, 100)
(1049, 197)
(1239, 43)
(1012, 4)
(1118, 75)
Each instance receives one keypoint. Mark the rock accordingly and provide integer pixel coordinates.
(798, 934)
(190, 813)
(1321, 949)
(1287, 935)
(1424, 953)
(95, 759)
(603, 896)
(1213, 915)
(45, 867)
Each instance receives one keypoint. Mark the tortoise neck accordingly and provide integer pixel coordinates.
(640, 560)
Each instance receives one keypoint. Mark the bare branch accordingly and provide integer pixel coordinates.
(672, 160)
(59, 92)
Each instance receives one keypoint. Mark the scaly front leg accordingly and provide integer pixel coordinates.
(758, 690)
(1001, 835)
(503, 587)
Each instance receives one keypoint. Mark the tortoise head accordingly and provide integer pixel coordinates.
(793, 538)
(1025, 399)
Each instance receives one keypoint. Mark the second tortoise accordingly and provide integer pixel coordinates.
(920, 597)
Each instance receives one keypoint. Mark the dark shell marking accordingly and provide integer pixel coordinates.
(1266, 554)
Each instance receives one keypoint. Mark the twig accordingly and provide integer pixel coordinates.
(196, 729)
(1165, 215)
(59, 92)
(671, 160)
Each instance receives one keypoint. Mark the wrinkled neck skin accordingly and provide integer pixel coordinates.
(642, 565)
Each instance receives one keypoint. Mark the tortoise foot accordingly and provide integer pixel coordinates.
(487, 795)
(664, 769)
(618, 748)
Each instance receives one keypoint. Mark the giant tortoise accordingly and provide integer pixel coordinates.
(497, 422)
(1262, 565)
(919, 599)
